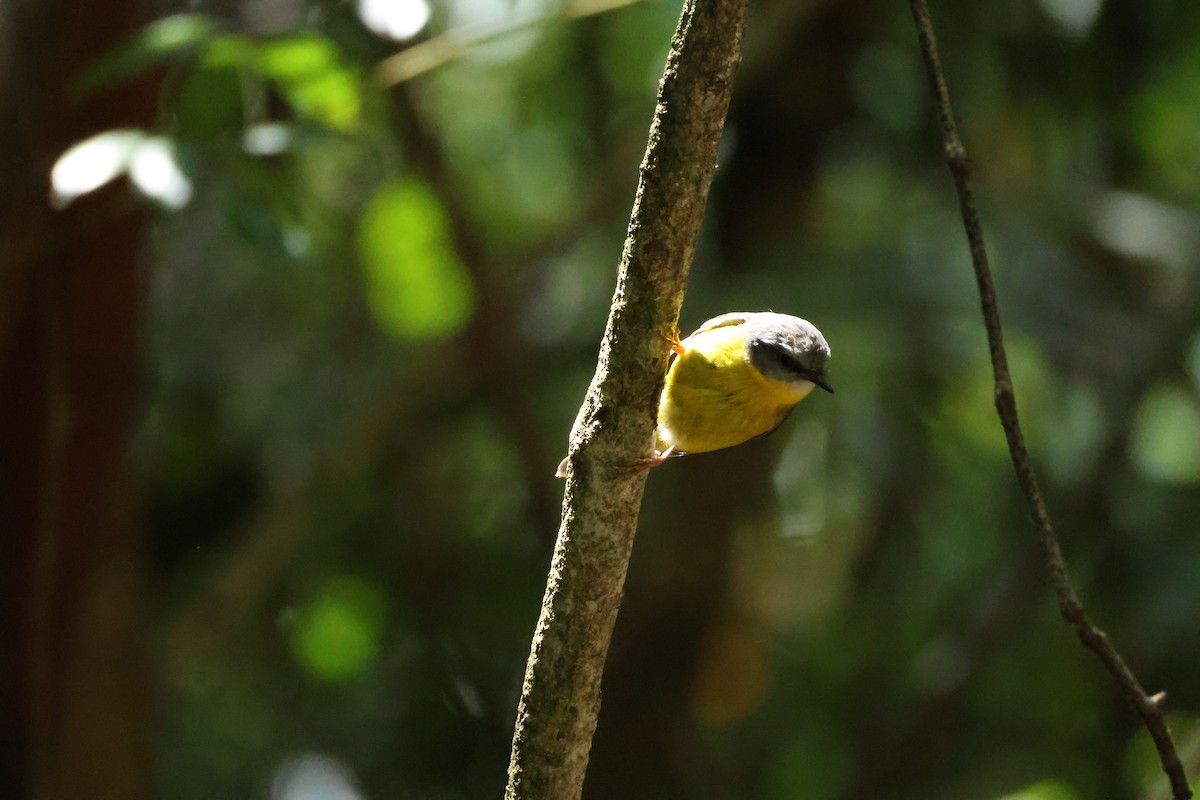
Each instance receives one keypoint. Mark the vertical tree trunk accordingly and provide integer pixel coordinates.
(75, 687)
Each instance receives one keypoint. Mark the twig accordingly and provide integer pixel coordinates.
(1191, 761)
(560, 698)
(1150, 708)
(433, 53)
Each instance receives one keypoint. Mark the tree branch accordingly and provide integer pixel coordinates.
(1071, 608)
(444, 48)
(560, 698)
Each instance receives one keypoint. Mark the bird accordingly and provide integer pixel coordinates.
(737, 377)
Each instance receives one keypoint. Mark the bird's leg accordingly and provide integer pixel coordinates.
(641, 465)
(659, 457)
(650, 462)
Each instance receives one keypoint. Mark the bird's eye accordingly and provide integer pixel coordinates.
(776, 362)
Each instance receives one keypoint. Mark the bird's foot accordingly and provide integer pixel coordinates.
(650, 462)
(673, 339)
(641, 465)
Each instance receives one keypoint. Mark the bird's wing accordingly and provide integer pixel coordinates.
(782, 419)
(725, 320)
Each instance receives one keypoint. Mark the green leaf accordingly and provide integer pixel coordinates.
(337, 635)
(312, 76)
(153, 44)
(210, 103)
(416, 286)
(229, 50)
(1165, 118)
(1165, 434)
(298, 57)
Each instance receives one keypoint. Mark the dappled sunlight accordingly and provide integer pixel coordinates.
(92, 163)
(150, 161)
(314, 777)
(396, 19)
(364, 307)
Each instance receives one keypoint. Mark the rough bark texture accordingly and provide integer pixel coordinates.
(75, 688)
(560, 699)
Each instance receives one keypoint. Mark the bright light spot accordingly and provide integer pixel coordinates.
(149, 160)
(464, 14)
(395, 19)
(1075, 17)
(296, 242)
(314, 776)
(480, 16)
(155, 171)
(268, 139)
(1142, 227)
(1165, 432)
(87, 166)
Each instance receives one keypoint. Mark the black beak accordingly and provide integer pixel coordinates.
(816, 380)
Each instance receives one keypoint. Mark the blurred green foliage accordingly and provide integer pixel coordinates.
(370, 328)
(417, 286)
(337, 634)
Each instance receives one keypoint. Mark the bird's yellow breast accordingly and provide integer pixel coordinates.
(714, 397)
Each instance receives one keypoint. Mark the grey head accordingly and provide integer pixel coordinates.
(787, 349)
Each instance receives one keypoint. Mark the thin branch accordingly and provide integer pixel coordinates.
(560, 698)
(1150, 708)
(1191, 761)
(433, 53)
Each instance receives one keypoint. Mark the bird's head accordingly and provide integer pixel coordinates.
(787, 349)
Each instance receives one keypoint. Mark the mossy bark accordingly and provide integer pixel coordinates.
(560, 699)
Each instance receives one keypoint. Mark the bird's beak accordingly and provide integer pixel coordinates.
(817, 380)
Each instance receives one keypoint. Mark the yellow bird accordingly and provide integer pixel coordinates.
(736, 378)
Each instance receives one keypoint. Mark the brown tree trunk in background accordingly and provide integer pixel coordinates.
(76, 688)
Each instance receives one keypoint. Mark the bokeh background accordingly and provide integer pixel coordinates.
(369, 293)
